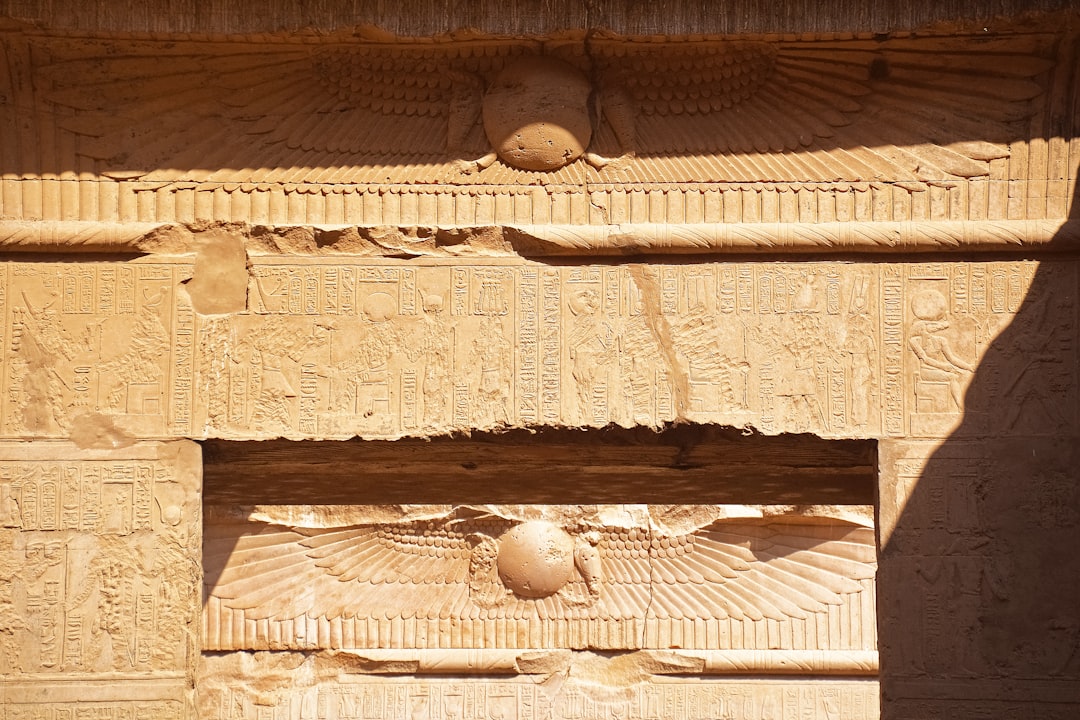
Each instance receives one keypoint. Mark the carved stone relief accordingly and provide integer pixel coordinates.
(99, 580)
(371, 130)
(619, 577)
(91, 341)
(967, 528)
(377, 349)
(350, 234)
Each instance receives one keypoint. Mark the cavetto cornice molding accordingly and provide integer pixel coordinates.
(950, 138)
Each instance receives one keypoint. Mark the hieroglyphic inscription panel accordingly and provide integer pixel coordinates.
(99, 578)
(91, 339)
(968, 527)
(333, 349)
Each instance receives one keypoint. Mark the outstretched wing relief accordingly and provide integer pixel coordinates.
(285, 572)
(277, 112)
(744, 568)
(906, 109)
(489, 567)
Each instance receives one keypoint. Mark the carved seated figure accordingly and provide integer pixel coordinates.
(940, 369)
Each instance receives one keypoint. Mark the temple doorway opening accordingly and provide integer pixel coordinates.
(700, 563)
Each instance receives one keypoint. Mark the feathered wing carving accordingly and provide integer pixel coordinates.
(412, 570)
(768, 568)
(909, 109)
(745, 568)
(917, 109)
(276, 112)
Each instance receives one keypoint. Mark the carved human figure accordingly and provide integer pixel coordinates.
(954, 590)
(432, 345)
(493, 394)
(174, 565)
(928, 339)
(861, 348)
(139, 363)
(637, 369)
(592, 343)
(112, 573)
(43, 596)
(715, 354)
(800, 382)
(11, 626)
(10, 515)
(268, 348)
(368, 370)
(39, 339)
(1036, 378)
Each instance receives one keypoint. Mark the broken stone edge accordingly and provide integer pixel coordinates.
(550, 240)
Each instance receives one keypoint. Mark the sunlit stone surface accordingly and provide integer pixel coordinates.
(604, 362)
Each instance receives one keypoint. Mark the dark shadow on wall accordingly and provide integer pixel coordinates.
(979, 582)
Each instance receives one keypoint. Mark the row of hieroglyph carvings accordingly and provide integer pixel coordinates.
(380, 349)
(567, 130)
(326, 695)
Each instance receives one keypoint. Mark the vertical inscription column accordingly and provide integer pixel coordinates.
(550, 347)
(979, 508)
(100, 571)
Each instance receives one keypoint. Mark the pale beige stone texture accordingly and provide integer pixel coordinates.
(377, 349)
(100, 567)
(539, 281)
(607, 577)
(946, 125)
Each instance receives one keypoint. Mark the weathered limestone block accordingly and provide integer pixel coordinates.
(941, 127)
(326, 349)
(100, 567)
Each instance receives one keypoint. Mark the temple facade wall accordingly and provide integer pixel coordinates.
(862, 236)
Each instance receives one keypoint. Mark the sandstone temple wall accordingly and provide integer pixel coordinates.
(581, 364)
